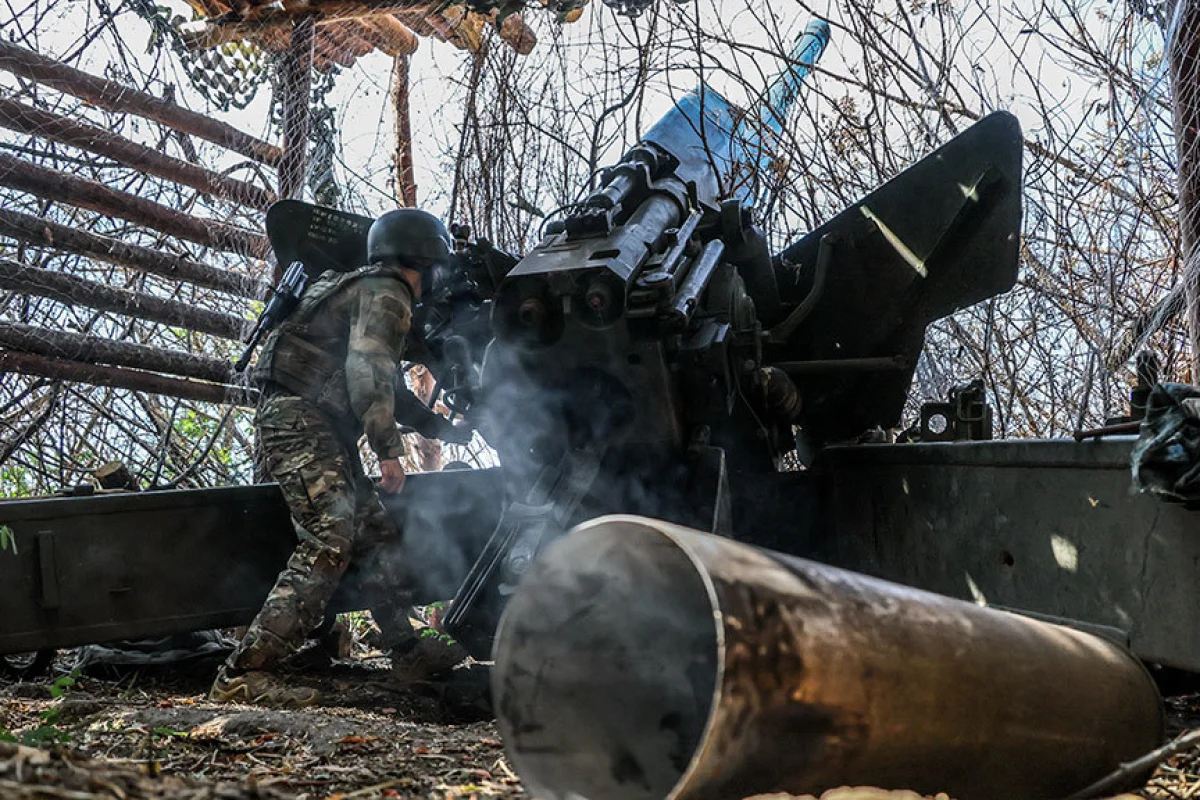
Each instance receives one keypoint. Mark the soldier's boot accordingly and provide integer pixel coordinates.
(425, 656)
(260, 688)
(418, 650)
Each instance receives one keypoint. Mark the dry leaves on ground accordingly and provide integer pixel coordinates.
(164, 739)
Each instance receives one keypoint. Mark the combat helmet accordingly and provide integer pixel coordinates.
(415, 238)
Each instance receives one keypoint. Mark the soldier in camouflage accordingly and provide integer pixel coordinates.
(327, 376)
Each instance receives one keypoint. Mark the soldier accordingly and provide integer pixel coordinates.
(327, 376)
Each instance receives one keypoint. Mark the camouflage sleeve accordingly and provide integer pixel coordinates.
(379, 322)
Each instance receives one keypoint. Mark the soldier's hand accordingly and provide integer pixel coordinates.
(393, 478)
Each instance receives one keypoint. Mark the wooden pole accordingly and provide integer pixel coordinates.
(458, 27)
(406, 187)
(213, 32)
(97, 350)
(391, 36)
(348, 41)
(76, 291)
(45, 233)
(516, 32)
(296, 90)
(37, 122)
(114, 97)
(57, 369)
(1185, 78)
(62, 187)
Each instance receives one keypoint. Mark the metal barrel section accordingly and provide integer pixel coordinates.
(641, 660)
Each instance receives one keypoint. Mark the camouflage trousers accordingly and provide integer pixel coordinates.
(338, 516)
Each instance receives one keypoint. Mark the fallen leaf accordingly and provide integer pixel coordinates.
(212, 729)
(357, 739)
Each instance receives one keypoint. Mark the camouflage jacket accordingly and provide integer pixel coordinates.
(340, 349)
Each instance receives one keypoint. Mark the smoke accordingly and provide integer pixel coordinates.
(587, 396)
(579, 431)
(444, 518)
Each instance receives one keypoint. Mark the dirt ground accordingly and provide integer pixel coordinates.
(152, 734)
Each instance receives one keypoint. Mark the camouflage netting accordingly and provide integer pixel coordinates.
(227, 77)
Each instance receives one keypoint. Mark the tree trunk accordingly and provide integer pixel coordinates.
(30, 364)
(61, 187)
(115, 475)
(97, 350)
(296, 100)
(114, 97)
(36, 122)
(71, 290)
(44, 233)
(392, 36)
(406, 186)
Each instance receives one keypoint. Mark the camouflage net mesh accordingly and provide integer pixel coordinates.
(1180, 20)
(228, 76)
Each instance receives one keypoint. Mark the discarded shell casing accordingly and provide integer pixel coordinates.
(640, 660)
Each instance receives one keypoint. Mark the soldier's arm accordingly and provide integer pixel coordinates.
(410, 410)
(378, 326)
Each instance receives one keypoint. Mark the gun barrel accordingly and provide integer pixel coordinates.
(782, 94)
(244, 358)
(714, 142)
(757, 146)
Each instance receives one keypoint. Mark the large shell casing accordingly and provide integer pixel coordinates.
(641, 660)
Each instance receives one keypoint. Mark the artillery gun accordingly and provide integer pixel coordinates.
(652, 355)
